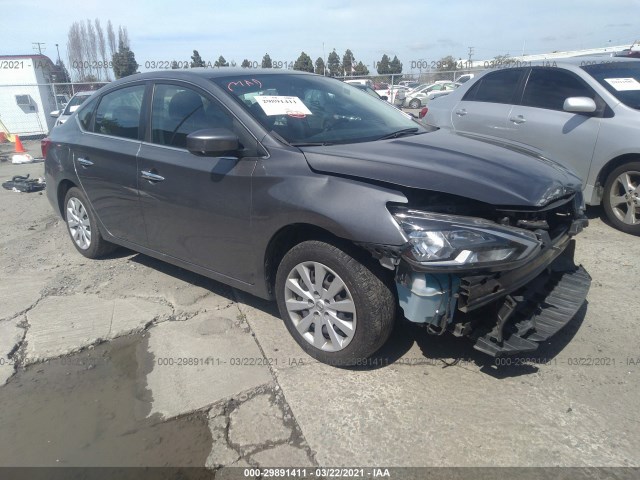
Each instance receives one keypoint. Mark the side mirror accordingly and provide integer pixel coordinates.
(212, 142)
(579, 105)
(55, 114)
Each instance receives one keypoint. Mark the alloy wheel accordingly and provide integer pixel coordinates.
(624, 197)
(320, 306)
(78, 223)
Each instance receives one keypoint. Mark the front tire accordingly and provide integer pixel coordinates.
(339, 310)
(82, 226)
(621, 198)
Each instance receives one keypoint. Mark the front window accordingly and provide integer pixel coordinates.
(309, 109)
(550, 87)
(621, 79)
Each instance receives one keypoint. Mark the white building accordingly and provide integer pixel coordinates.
(26, 96)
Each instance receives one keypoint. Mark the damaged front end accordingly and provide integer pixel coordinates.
(508, 281)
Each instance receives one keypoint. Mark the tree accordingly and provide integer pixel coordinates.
(111, 38)
(196, 60)
(320, 66)
(61, 73)
(444, 66)
(102, 49)
(303, 63)
(395, 66)
(221, 62)
(124, 61)
(333, 64)
(383, 67)
(266, 61)
(348, 62)
(245, 63)
(360, 69)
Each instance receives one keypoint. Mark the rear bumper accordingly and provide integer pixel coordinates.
(537, 311)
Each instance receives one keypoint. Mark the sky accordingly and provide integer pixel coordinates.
(415, 30)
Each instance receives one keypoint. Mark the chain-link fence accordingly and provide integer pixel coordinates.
(25, 109)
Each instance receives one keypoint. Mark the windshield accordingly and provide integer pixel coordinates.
(621, 79)
(74, 103)
(309, 109)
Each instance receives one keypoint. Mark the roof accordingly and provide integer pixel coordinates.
(216, 72)
(42, 58)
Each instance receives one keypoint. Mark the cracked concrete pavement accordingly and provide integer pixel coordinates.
(164, 352)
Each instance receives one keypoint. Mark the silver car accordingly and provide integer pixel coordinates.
(64, 113)
(581, 112)
(419, 96)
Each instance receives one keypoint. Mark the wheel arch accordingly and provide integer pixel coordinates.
(63, 187)
(610, 166)
(291, 235)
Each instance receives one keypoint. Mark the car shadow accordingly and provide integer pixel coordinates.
(445, 350)
(186, 276)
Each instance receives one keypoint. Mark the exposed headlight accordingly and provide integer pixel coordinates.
(439, 240)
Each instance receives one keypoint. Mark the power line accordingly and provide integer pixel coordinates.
(38, 45)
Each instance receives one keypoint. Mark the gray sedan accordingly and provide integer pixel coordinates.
(302, 189)
(582, 112)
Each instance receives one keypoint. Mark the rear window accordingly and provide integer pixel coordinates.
(621, 79)
(496, 87)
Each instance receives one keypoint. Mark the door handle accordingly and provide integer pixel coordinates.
(519, 119)
(152, 177)
(85, 162)
(461, 113)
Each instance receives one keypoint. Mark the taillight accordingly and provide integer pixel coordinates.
(423, 112)
(44, 145)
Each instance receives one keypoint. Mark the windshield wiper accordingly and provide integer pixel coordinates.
(310, 144)
(400, 133)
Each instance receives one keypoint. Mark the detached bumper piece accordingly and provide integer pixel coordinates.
(538, 311)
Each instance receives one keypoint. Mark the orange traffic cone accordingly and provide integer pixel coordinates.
(19, 147)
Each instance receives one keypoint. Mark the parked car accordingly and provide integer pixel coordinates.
(395, 94)
(333, 203)
(360, 81)
(418, 97)
(582, 112)
(370, 91)
(410, 84)
(63, 114)
(465, 78)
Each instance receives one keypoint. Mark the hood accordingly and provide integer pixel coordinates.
(488, 171)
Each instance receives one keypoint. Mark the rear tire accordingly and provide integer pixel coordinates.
(339, 310)
(621, 198)
(415, 103)
(82, 226)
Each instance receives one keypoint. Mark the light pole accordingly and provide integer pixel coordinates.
(58, 49)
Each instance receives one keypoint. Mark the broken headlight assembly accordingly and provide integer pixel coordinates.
(462, 243)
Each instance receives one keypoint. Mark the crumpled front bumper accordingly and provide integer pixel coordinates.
(506, 312)
(537, 311)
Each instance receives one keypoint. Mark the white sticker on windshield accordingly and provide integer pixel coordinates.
(623, 84)
(280, 105)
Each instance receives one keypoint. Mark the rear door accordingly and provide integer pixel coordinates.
(541, 122)
(196, 208)
(105, 160)
(485, 107)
